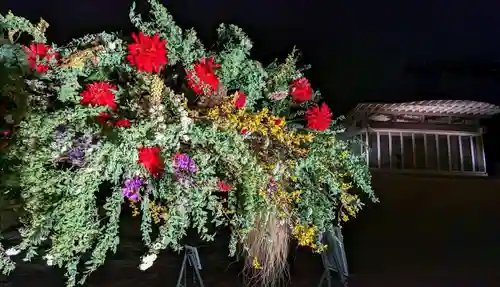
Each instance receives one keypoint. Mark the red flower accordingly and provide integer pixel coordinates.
(148, 53)
(223, 186)
(244, 131)
(42, 52)
(122, 123)
(277, 122)
(150, 158)
(301, 90)
(103, 118)
(318, 118)
(99, 94)
(202, 78)
(240, 100)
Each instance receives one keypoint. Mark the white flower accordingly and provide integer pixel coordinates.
(144, 266)
(161, 107)
(185, 138)
(111, 45)
(182, 112)
(157, 246)
(12, 251)
(161, 118)
(149, 258)
(147, 261)
(160, 137)
(185, 122)
(49, 259)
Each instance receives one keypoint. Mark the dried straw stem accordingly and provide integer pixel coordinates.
(267, 247)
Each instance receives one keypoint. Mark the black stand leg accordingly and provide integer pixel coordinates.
(334, 259)
(192, 258)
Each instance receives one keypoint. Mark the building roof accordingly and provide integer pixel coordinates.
(434, 107)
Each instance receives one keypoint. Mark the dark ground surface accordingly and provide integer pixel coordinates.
(423, 262)
(430, 234)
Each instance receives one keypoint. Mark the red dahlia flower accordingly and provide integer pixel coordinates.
(202, 78)
(124, 123)
(150, 158)
(42, 52)
(318, 118)
(148, 53)
(301, 90)
(223, 186)
(240, 100)
(99, 94)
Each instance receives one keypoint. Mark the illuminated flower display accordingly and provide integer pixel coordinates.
(182, 137)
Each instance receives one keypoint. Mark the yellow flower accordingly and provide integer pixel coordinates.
(262, 123)
(255, 263)
(157, 211)
(345, 186)
(305, 235)
(135, 210)
(156, 88)
(322, 248)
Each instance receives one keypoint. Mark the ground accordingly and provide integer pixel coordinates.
(388, 264)
(424, 233)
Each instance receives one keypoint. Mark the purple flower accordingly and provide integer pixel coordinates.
(272, 186)
(184, 163)
(132, 187)
(131, 195)
(76, 156)
(134, 183)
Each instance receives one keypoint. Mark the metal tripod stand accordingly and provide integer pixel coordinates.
(191, 257)
(334, 259)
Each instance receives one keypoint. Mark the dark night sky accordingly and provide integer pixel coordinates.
(359, 49)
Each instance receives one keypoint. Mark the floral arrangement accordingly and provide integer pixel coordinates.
(157, 127)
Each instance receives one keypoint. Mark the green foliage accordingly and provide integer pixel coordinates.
(76, 208)
(238, 71)
(16, 25)
(6, 263)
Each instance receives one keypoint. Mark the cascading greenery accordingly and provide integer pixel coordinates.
(188, 138)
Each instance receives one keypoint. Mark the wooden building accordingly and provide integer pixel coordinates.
(438, 137)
